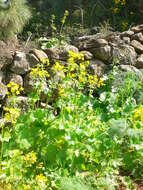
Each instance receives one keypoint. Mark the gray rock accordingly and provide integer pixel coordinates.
(137, 45)
(102, 53)
(97, 67)
(20, 102)
(137, 29)
(64, 51)
(30, 84)
(130, 68)
(139, 62)
(32, 59)
(52, 53)
(125, 54)
(138, 37)
(14, 78)
(127, 33)
(5, 55)
(3, 91)
(126, 40)
(1, 76)
(20, 64)
(91, 41)
(87, 55)
(39, 54)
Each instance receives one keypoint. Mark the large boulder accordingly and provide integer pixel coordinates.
(52, 53)
(130, 68)
(138, 46)
(97, 67)
(87, 55)
(90, 41)
(30, 85)
(6, 55)
(127, 33)
(20, 64)
(64, 51)
(102, 53)
(124, 54)
(12, 77)
(39, 54)
(139, 62)
(137, 29)
(138, 37)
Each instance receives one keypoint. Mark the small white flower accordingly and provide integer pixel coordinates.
(76, 153)
(67, 137)
(105, 77)
(102, 97)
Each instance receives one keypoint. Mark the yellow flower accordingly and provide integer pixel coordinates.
(117, 1)
(26, 187)
(138, 114)
(60, 90)
(100, 83)
(30, 158)
(124, 25)
(115, 10)
(14, 89)
(11, 114)
(41, 178)
(57, 67)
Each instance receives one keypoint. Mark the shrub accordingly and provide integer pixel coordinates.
(13, 16)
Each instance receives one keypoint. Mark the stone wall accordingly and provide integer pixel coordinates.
(124, 49)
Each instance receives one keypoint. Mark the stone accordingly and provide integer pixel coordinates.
(97, 67)
(1, 76)
(20, 101)
(39, 54)
(138, 37)
(29, 86)
(64, 51)
(28, 83)
(139, 62)
(12, 77)
(32, 59)
(130, 68)
(125, 55)
(126, 40)
(87, 55)
(3, 91)
(91, 41)
(137, 45)
(103, 53)
(127, 33)
(137, 29)
(6, 55)
(20, 64)
(52, 53)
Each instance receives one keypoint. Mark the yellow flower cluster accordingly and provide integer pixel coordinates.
(78, 56)
(14, 89)
(39, 72)
(30, 158)
(138, 114)
(122, 2)
(124, 25)
(41, 179)
(64, 17)
(11, 114)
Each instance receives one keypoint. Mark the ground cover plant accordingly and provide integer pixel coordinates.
(88, 135)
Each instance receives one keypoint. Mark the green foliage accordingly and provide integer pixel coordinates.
(13, 19)
(88, 137)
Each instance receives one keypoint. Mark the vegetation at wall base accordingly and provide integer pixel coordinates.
(89, 136)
